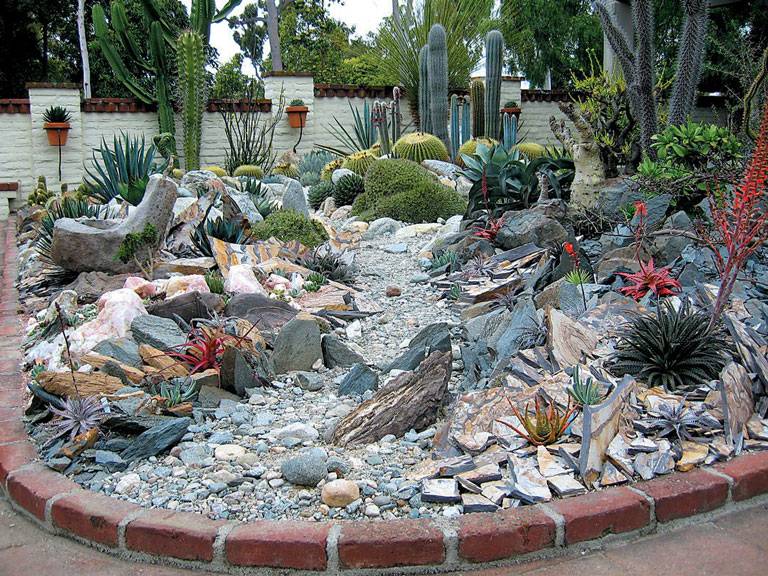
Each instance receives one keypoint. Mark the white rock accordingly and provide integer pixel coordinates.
(117, 309)
(417, 230)
(297, 430)
(128, 483)
(228, 452)
(354, 330)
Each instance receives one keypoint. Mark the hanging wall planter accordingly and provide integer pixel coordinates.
(56, 124)
(512, 108)
(297, 114)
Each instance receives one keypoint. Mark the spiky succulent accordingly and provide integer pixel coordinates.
(77, 416)
(480, 265)
(448, 258)
(260, 195)
(215, 282)
(230, 231)
(333, 265)
(671, 348)
(314, 282)
(319, 192)
(546, 426)
(680, 419)
(578, 277)
(359, 162)
(327, 171)
(347, 189)
(584, 392)
(177, 391)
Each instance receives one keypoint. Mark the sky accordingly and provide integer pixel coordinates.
(364, 15)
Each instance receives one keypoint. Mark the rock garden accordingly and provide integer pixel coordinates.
(441, 322)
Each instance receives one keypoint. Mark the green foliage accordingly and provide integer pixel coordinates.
(470, 147)
(56, 114)
(296, 102)
(578, 277)
(319, 192)
(363, 134)
(248, 170)
(347, 189)
(392, 176)
(671, 348)
(260, 195)
(314, 282)
(364, 207)
(287, 225)
(584, 392)
(177, 391)
(229, 81)
(494, 51)
(314, 161)
(426, 202)
(40, 195)
(448, 259)
(696, 145)
(335, 266)
(418, 146)
(64, 207)
(140, 247)
(438, 83)
(191, 70)
(123, 168)
(215, 281)
(359, 162)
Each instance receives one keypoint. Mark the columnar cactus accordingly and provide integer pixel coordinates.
(455, 126)
(397, 117)
(425, 121)
(509, 131)
(494, 58)
(690, 58)
(465, 121)
(380, 121)
(477, 102)
(438, 83)
(191, 67)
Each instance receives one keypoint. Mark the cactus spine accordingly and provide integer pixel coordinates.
(191, 66)
(510, 131)
(438, 83)
(477, 101)
(494, 52)
(465, 120)
(455, 126)
(425, 122)
(690, 58)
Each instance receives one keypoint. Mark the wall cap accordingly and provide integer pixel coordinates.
(52, 86)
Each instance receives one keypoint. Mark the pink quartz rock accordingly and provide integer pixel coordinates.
(242, 280)
(140, 286)
(117, 309)
(178, 285)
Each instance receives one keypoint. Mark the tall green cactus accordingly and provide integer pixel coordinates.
(425, 117)
(509, 131)
(465, 120)
(438, 83)
(380, 121)
(690, 59)
(494, 58)
(397, 117)
(477, 101)
(455, 127)
(191, 67)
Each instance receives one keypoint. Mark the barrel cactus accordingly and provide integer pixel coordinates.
(249, 170)
(218, 170)
(494, 58)
(327, 171)
(470, 146)
(531, 149)
(287, 169)
(418, 146)
(359, 162)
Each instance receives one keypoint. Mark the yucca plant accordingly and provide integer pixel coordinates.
(546, 426)
(672, 348)
(584, 392)
(129, 161)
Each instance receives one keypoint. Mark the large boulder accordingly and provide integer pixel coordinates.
(82, 245)
(266, 313)
(238, 205)
(294, 197)
(297, 347)
(524, 226)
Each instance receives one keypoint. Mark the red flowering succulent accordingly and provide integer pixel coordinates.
(203, 349)
(490, 230)
(650, 279)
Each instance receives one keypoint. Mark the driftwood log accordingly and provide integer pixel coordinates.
(94, 384)
(411, 400)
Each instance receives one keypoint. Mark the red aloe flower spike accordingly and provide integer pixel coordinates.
(641, 209)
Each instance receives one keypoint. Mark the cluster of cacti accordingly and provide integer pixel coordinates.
(380, 121)
(218, 170)
(509, 131)
(347, 189)
(477, 104)
(531, 149)
(359, 162)
(286, 169)
(40, 195)
(191, 69)
(397, 117)
(419, 146)
(327, 171)
(470, 146)
(438, 83)
(425, 116)
(455, 126)
(249, 170)
(494, 58)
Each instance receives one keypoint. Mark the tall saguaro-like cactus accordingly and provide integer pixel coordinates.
(191, 67)
(494, 53)
(477, 102)
(438, 83)
(690, 59)
(425, 117)
(465, 121)
(455, 127)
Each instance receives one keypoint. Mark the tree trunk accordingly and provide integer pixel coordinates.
(273, 30)
(84, 48)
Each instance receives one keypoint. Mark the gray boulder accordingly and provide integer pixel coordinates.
(157, 439)
(238, 205)
(297, 346)
(433, 337)
(82, 245)
(381, 227)
(161, 333)
(294, 197)
(338, 354)
(339, 173)
(198, 181)
(667, 248)
(358, 381)
(123, 350)
(265, 313)
(524, 226)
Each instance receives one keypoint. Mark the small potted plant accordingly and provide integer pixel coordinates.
(297, 113)
(511, 107)
(56, 124)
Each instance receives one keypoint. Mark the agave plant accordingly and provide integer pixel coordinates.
(230, 231)
(177, 391)
(584, 392)
(672, 348)
(336, 266)
(546, 426)
(680, 419)
(259, 195)
(77, 416)
(127, 162)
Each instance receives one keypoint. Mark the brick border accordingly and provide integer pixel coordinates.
(61, 506)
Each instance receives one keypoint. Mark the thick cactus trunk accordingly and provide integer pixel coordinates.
(438, 83)
(690, 59)
(494, 54)
(425, 117)
(191, 66)
(477, 101)
(455, 127)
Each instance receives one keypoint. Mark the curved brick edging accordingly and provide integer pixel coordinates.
(61, 506)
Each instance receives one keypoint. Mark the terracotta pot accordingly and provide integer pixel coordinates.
(58, 132)
(514, 111)
(297, 116)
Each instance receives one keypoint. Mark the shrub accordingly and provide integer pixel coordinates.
(218, 170)
(671, 348)
(347, 189)
(314, 161)
(359, 162)
(319, 192)
(418, 146)
(424, 203)
(394, 175)
(364, 208)
(287, 225)
(249, 170)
